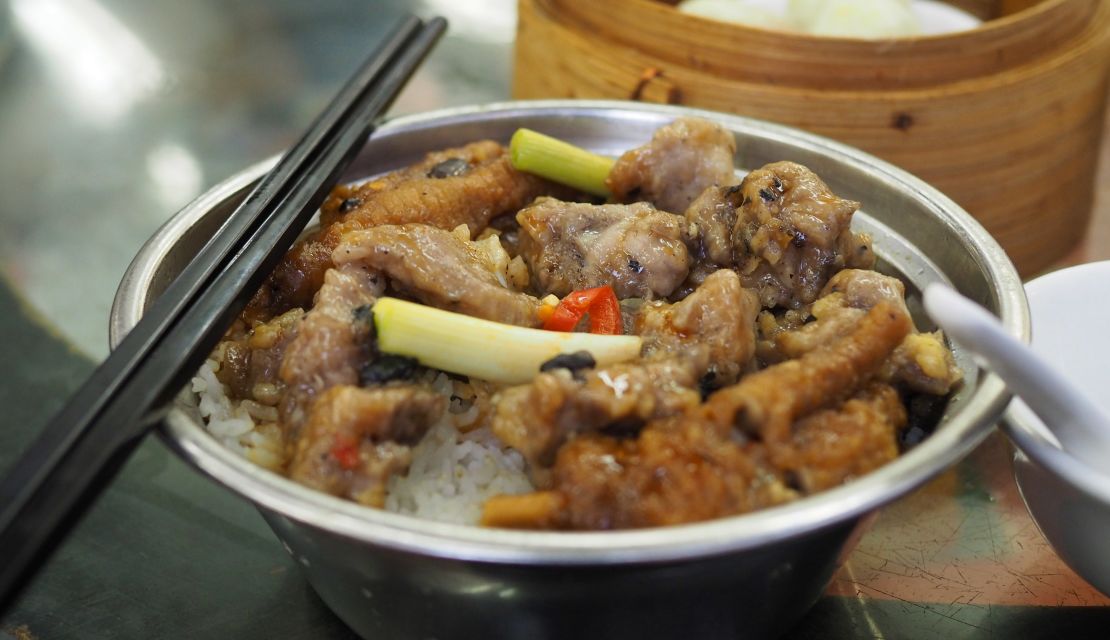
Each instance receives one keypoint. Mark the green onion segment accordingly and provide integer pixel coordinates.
(484, 349)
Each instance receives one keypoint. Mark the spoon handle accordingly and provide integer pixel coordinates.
(1081, 426)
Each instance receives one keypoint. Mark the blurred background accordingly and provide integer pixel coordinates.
(116, 113)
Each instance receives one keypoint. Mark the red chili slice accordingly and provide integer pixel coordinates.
(605, 313)
(345, 452)
(600, 303)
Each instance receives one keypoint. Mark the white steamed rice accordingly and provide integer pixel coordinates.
(451, 475)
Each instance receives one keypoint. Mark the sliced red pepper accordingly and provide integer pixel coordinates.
(605, 313)
(345, 452)
(600, 303)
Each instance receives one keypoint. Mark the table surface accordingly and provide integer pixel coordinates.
(115, 113)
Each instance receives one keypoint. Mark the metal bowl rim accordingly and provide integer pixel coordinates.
(278, 494)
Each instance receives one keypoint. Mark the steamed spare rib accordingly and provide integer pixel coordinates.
(710, 219)
(718, 317)
(636, 248)
(706, 339)
(250, 359)
(469, 185)
(681, 161)
(355, 439)
(538, 417)
(833, 446)
(792, 234)
(765, 404)
(438, 268)
(332, 341)
(733, 454)
(921, 362)
(676, 471)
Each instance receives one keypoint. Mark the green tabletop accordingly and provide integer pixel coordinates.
(91, 164)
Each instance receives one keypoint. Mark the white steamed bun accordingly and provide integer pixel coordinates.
(738, 11)
(874, 19)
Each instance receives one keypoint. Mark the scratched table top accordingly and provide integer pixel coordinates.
(115, 113)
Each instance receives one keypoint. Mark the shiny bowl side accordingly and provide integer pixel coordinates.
(396, 576)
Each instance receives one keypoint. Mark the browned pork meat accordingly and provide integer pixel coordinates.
(250, 361)
(921, 361)
(331, 342)
(355, 439)
(719, 316)
(682, 160)
(696, 466)
(711, 219)
(678, 470)
(688, 469)
(706, 338)
(447, 163)
(438, 268)
(468, 185)
(836, 445)
(636, 248)
(792, 233)
(538, 417)
(845, 300)
(765, 404)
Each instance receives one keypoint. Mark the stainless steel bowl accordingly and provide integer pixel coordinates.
(388, 575)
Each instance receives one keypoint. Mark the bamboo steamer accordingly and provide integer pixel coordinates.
(1006, 119)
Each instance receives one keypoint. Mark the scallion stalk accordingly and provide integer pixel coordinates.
(560, 161)
(483, 349)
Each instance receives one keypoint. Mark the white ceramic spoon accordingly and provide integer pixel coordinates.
(1080, 425)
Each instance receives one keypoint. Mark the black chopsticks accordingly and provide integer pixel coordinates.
(83, 446)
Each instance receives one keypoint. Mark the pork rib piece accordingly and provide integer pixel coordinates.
(438, 268)
(719, 316)
(478, 185)
(682, 160)
(636, 248)
(355, 439)
(792, 234)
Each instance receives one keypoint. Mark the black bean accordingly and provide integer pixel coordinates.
(912, 437)
(767, 195)
(635, 265)
(449, 168)
(799, 239)
(924, 413)
(349, 204)
(364, 313)
(572, 361)
(708, 384)
(387, 367)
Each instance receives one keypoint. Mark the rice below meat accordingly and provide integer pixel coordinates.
(452, 473)
(246, 427)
